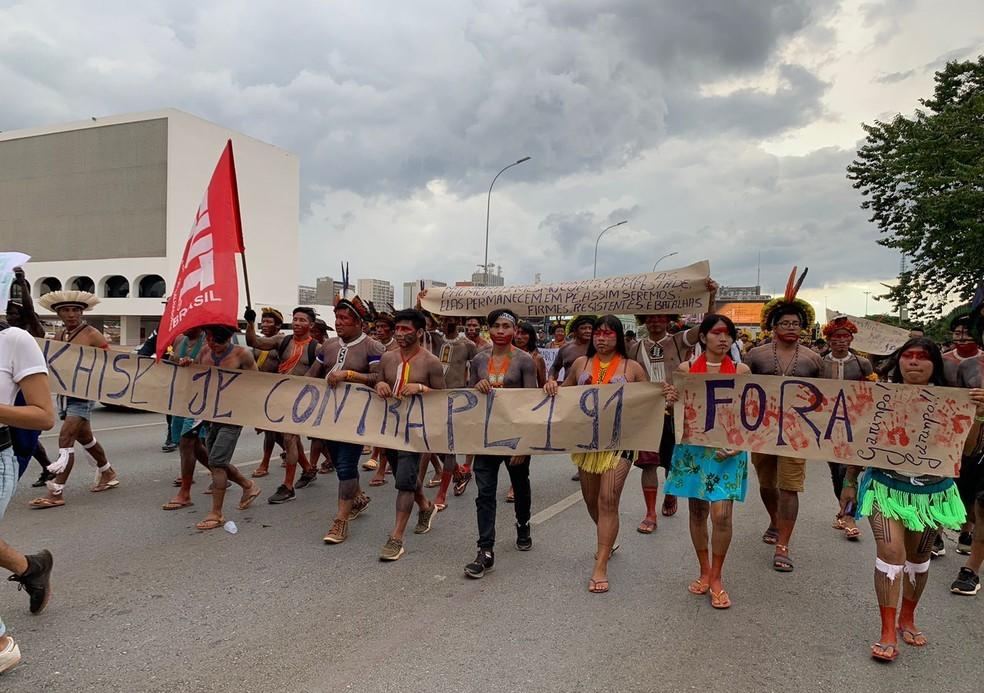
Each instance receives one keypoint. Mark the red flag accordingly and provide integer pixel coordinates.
(206, 291)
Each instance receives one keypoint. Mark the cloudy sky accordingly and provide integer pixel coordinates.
(719, 130)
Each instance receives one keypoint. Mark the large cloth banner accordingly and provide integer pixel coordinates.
(504, 422)
(8, 261)
(874, 337)
(919, 430)
(206, 291)
(672, 291)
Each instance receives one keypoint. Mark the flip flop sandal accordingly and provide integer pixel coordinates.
(377, 482)
(208, 491)
(175, 505)
(909, 637)
(852, 533)
(699, 588)
(43, 502)
(370, 465)
(325, 468)
(669, 509)
(646, 527)
(781, 563)
(249, 497)
(597, 586)
(462, 484)
(206, 525)
(838, 523)
(433, 483)
(883, 655)
(441, 506)
(720, 600)
(771, 536)
(108, 486)
(259, 473)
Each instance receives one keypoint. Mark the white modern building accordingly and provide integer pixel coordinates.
(106, 205)
(411, 289)
(379, 291)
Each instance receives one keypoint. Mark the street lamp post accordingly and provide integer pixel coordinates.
(866, 294)
(488, 208)
(663, 258)
(595, 272)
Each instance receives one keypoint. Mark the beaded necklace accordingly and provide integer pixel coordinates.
(221, 358)
(497, 376)
(791, 367)
(601, 374)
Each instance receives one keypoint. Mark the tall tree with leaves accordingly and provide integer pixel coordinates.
(923, 180)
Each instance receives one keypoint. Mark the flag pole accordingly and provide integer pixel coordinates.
(239, 221)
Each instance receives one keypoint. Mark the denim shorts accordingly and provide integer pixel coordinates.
(8, 478)
(221, 444)
(345, 457)
(182, 426)
(72, 406)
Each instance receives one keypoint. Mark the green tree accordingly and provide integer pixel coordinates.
(923, 180)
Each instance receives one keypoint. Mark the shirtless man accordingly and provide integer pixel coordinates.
(473, 331)
(502, 366)
(221, 352)
(319, 332)
(271, 322)
(559, 336)
(409, 371)
(971, 479)
(965, 347)
(455, 352)
(296, 354)
(377, 459)
(347, 358)
(75, 413)
(781, 478)
(581, 327)
(841, 363)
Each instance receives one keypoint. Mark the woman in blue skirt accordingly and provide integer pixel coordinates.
(711, 478)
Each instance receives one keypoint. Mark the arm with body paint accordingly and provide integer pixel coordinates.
(258, 342)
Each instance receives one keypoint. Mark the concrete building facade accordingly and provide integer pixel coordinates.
(106, 205)
(379, 291)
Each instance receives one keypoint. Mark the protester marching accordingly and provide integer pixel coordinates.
(409, 390)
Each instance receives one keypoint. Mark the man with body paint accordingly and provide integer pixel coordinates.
(580, 327)
(75, 413)
(222, 352)
(841, 363)
(406, 372)
(346, 359)
(502, 366)
(782, 478)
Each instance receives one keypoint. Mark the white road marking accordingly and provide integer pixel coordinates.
(555, 509)
(114, 428)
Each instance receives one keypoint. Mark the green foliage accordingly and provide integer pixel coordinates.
(923, 180)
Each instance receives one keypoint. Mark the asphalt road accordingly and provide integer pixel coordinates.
(145, 602)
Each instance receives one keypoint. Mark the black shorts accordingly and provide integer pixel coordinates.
(406, 469)
(970, 483)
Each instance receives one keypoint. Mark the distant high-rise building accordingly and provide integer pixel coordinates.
(488, 276)
(410, 290)
(327, 289)
(379, 291)
(307, 295)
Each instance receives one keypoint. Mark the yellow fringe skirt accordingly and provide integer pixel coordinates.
(601, 461)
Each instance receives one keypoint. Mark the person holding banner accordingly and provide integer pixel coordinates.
(271, 322)
(502, 366)
(295, 355)
(905, 511)
(712, 478)
(347, 358)
(842, 363)
(782, 478)
(603, 473)
(75, 413)
(580, 327)
(384, 325)
(408, 371)
(222, 352)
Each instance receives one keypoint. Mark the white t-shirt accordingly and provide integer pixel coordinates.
(20, 356)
